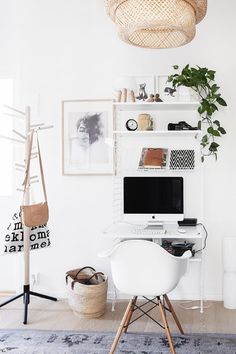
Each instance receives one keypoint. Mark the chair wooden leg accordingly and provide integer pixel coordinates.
(163, 316)
(174, 314)
(127, 322)
(120, 329)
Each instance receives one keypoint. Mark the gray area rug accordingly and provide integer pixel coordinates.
(67, 342)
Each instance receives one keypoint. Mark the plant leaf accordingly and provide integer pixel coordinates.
(214, 107)
(213, 147)
(216, 122)
(222, 130)
(213, 132)
(211, 74)
(221, 101)
(216, 133)
(214, 88)
(210, 130)
(200, 109)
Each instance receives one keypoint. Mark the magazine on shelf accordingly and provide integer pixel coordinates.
(153, 158)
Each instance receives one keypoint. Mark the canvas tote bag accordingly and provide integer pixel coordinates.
(35, 214)
(12, 240)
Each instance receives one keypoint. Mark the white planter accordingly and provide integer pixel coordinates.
(187, 94)
(184, 94)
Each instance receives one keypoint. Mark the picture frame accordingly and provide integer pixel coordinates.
(87, 137)
(161, 85)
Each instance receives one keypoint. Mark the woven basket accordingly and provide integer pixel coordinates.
(86, 300)
(156, 23)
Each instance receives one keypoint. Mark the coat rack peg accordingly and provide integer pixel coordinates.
(34, 154)
(46, 127)
(14, 109)
(20, 190)
(19, 165)
(12, 139)
(19, 134)
(32, 157)
(36, 125)
(32, 177)
(36, 181)
(19, 169)
(13, 115)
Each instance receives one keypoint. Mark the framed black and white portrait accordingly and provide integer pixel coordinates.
(87, 127)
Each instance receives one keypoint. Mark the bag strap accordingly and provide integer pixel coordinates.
(87, 281)
(87, 267)
(80, 270)
(41, 169)
(27, 172)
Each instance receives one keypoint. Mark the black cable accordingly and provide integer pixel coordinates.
(205, 240)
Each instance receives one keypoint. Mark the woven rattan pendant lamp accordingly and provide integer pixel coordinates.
(156, 23)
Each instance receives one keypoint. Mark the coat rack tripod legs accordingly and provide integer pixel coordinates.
(26, 299)
(27, 293)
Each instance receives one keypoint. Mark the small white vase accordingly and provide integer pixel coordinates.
(184, 94)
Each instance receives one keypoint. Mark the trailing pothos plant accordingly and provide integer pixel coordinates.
(202, 81)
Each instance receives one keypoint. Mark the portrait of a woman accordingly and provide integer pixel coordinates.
(88, 141)
(87, 127)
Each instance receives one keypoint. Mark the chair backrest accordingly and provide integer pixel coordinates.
(142, 267)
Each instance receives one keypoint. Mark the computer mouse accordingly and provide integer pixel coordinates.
(181, 231)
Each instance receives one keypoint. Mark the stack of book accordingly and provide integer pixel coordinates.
(153, 158)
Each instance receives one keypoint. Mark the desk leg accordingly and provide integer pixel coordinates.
(202, 281)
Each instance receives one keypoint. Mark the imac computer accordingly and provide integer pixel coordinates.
(153, 200)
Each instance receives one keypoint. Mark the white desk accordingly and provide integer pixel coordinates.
(125, 230)
(122, 231)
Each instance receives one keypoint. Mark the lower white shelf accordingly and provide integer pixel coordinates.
(149, 133)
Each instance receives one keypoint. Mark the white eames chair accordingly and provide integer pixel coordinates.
(143, 268)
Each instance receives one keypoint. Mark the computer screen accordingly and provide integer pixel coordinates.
(160, 198)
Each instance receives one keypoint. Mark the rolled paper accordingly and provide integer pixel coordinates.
(124, 95)
(132, 96)
(119, 96)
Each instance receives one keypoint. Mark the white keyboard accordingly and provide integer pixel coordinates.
(150, 232)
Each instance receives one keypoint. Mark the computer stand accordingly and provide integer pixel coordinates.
(26, 299)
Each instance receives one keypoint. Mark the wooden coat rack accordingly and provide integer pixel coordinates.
(24, 139)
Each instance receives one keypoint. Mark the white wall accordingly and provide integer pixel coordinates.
(69, 49)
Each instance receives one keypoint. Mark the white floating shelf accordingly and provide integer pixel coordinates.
(158, 132)
(156, 106)
(152, 172)
(184, 236)
(127, 235)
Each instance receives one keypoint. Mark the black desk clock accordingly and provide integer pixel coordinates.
(131, 124)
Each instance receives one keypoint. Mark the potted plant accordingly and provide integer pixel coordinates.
(202, 81)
